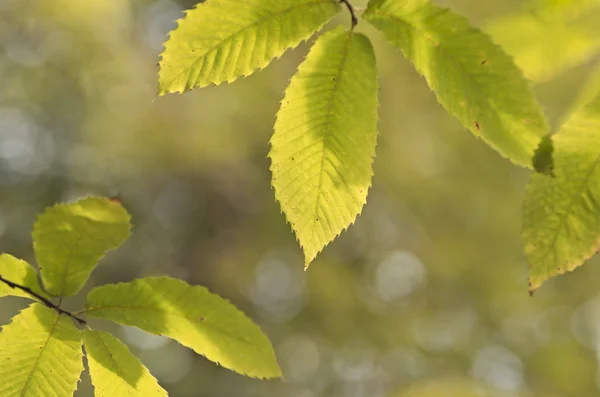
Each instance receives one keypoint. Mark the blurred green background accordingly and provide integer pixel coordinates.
(426, 295)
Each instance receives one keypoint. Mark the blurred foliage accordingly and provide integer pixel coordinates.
(430, 283)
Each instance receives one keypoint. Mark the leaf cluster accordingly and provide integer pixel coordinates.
(41, 349)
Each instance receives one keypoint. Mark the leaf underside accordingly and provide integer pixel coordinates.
(472, 77)
(70, 239)
(19, 272)
(325, 137)
(115, 371)
(220, 41)
(193, 316)
(40, 354)
(561, 227)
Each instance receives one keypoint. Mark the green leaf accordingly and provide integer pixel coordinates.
(544, 48)
(324, 141)
(543, 160)
(115, 371)
(222, 40)
(472, 77)
(70, 239)
(561, 227)
(19, 272)
(193, 316)
(40, 354)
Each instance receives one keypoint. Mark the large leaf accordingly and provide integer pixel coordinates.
(115, 371)
(193, 316)
(222, 40)
(325, 137)
(19, 272)
(561, 227)
(70, 239)
(472, 77)
(40, 354)
(542, 47)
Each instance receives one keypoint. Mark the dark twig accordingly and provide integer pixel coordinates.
(43, 300)
(352, 12)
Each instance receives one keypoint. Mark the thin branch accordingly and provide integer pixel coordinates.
(352, 12)
(43, 300)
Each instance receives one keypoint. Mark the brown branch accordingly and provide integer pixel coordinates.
(352, 12)
(43, 300)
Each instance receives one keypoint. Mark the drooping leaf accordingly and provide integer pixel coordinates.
(193, 316)
(561, 227)
(40, 354)
(115, 371)
(325, 137)
(543, 161)
(70, 239)
(544, 48)
(222, 40)
(472, 77)
(19, 272)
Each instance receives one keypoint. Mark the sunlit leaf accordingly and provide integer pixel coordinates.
(40, 354)
(70, 239)
(324, 140)
(561, 227)
(472, 77)
(193, 316)
(223, 40)
(543, 48)
(115, 371)
(19, 272)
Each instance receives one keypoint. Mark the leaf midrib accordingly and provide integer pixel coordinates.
(327, 132)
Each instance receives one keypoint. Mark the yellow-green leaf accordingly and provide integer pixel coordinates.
(40, 354)
(561, 227)
(193, 316)
(115, 371)
(19, 272)
(222, 40)
(324, 141)
(472, 77)
(70, 239)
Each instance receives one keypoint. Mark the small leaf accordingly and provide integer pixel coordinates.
(223, 40)
(472, 77)
(193, 316)
(40, 354)
(19, 272)
(70, 239)
(543, 161)
(115, 371)
(325, 137)
(561, 227)
(544, 48)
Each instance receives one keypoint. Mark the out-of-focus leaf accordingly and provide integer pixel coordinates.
(561, 227)
(472, 77)
(19, 272)
(223, 40)
(70, 239)
(115, 371)
(325, 137)
(40, 354)
(202, 321)
(544, 48)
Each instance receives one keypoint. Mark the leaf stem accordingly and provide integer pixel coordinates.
(43, 300)
(352, 12)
